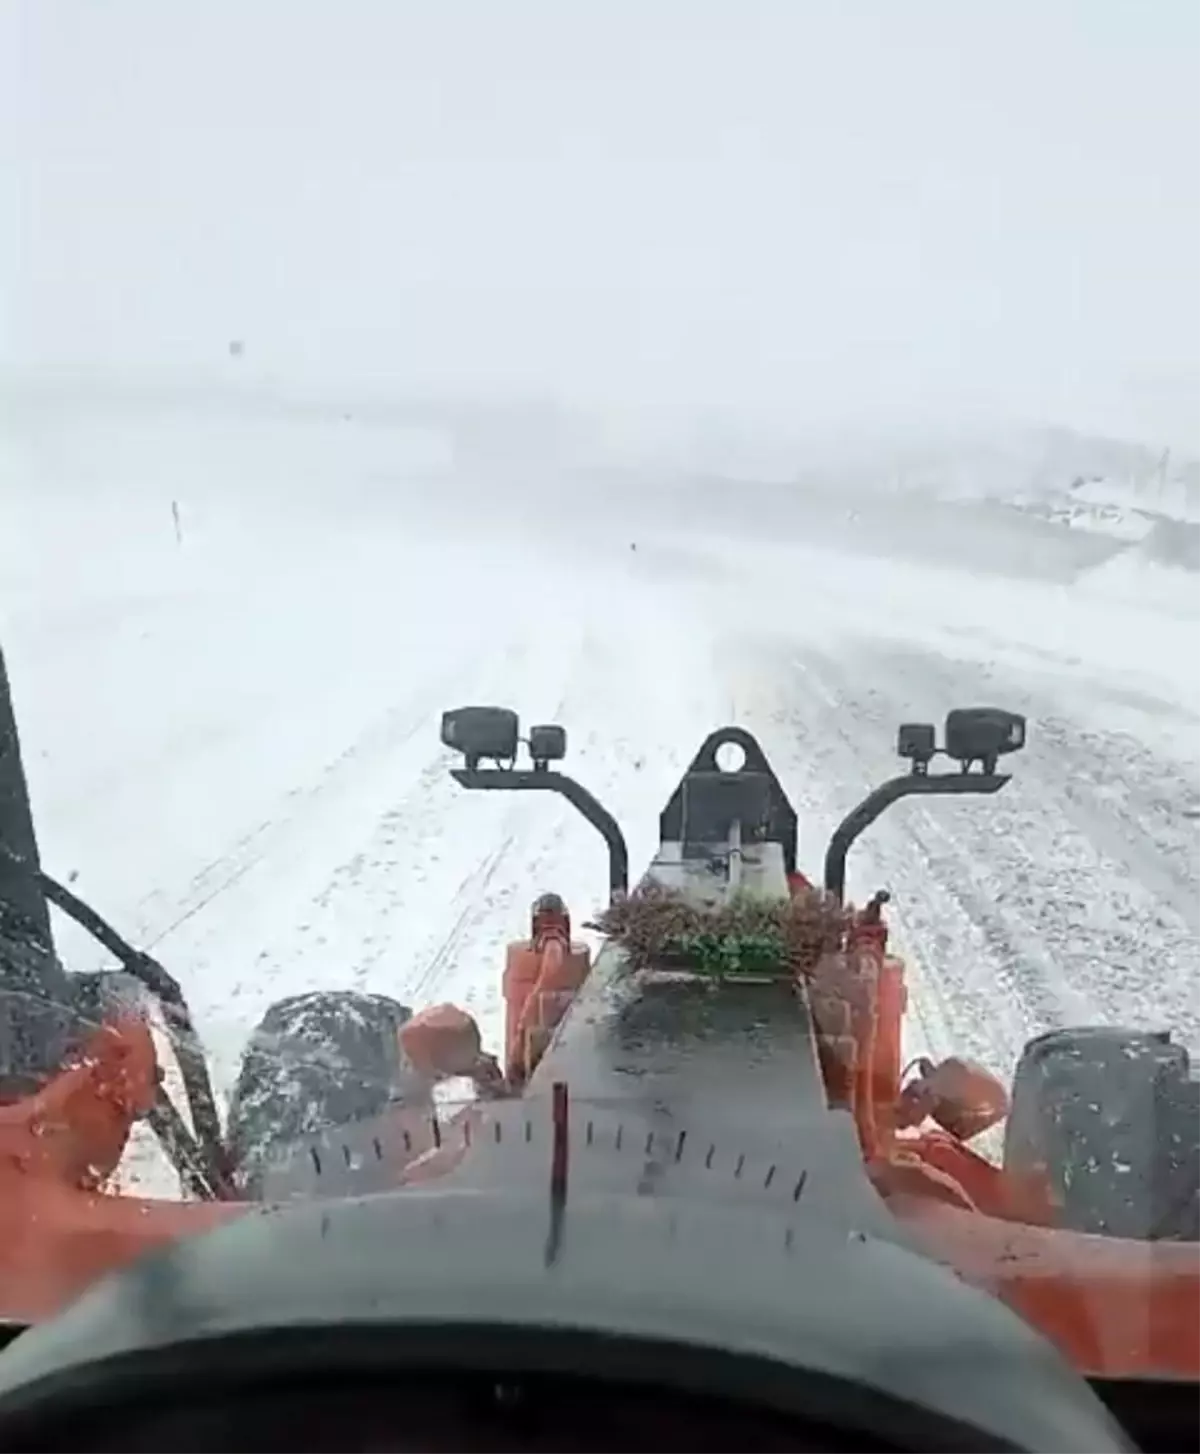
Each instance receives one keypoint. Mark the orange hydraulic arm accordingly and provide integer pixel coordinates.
(858, 999)
(541, 977)
(1115, 1307)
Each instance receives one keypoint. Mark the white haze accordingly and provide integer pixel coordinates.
(843, 215)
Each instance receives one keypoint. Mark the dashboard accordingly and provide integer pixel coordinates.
(441, 1319)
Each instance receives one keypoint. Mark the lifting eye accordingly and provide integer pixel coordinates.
(730, 757)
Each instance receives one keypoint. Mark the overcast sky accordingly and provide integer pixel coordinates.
(830, 211)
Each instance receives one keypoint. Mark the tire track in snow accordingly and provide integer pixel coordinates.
(245, 937)
(483, 908)
(1072, 933)
(1116, 829)
(1109, 908)
(966, 876)
(472, 896)
(383, 738)
(827, 760)
(1129, 800)
(393, 914)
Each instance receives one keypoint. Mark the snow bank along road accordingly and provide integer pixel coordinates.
(233, 749)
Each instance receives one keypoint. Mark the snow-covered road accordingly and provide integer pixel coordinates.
(233, 749)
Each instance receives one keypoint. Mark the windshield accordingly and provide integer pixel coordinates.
(814, 371)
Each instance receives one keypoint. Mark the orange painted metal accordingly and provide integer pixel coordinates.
(74, 1129)
(1117, 1308)
(59, 1230)
(542, 975)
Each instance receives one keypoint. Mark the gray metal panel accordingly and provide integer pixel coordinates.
(716, 1093)
(639, 1150)
(362, 1157)
(760, 872)
(742, 1053)
(678, 1091)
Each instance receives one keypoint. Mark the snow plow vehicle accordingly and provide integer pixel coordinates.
(696, 1200)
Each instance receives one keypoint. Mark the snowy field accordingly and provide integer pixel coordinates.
(231, 732)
